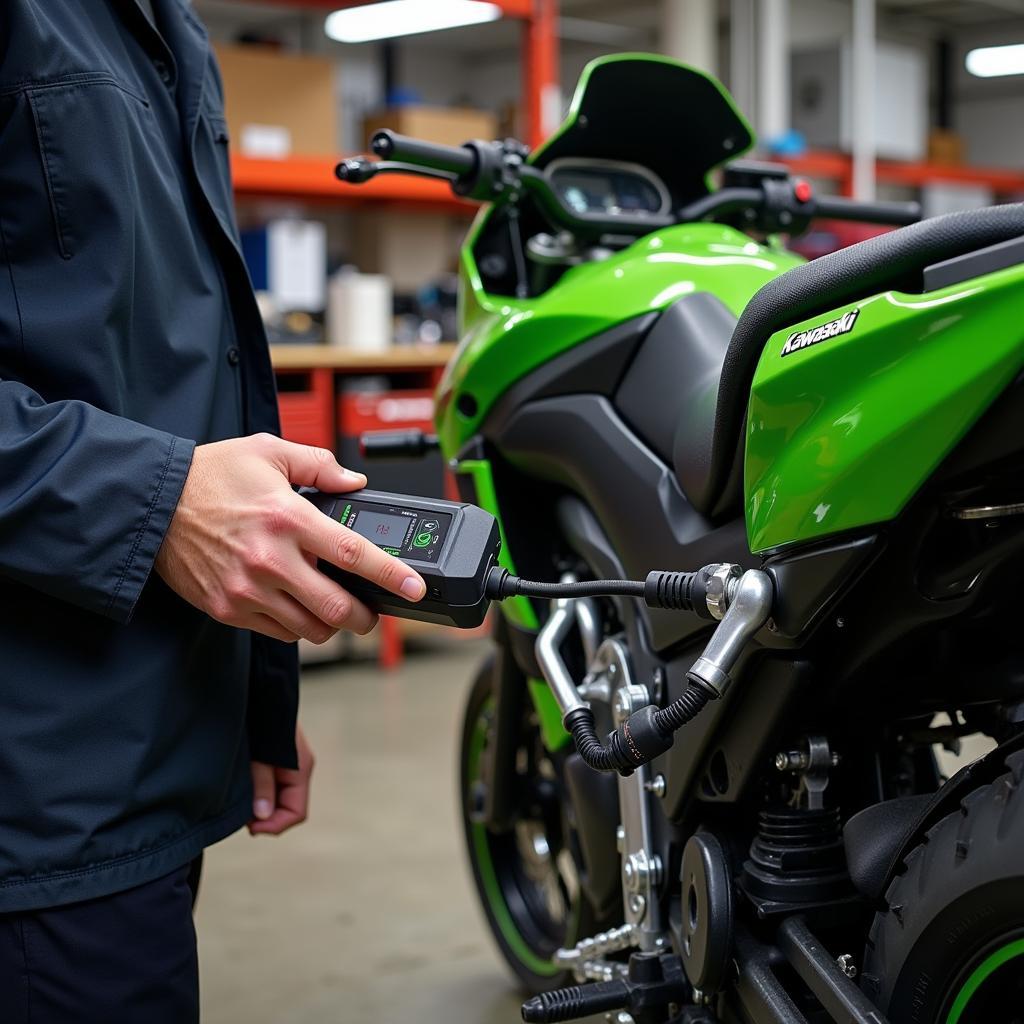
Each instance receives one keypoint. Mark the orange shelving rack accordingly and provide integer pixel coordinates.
(311, 178)
(838, 167)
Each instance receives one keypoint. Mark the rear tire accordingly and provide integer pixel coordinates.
(950, 947)
(521, 904)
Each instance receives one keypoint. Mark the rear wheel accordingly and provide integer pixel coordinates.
(950, 947)
(527, 876)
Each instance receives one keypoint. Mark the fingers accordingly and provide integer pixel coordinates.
(312, 467)
(292, 789)
(331, 605)
(291, 807)
(295, 618)
(344, 548)
(264, 791)
(264, 624)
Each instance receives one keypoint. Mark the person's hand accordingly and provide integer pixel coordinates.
(242, 545)
(280, 796)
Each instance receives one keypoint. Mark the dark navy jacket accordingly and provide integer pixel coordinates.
(128, 333)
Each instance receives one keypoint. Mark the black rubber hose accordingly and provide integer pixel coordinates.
(584, 588)
(645, 735)
(683, 709)
(595, 754)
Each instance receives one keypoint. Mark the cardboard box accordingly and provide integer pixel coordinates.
(448, 126)
(278, 103)
(945, 147)
(411, 251)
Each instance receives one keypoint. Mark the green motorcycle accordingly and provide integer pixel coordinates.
(648, 379)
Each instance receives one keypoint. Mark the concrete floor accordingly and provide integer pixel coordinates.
(365, 912)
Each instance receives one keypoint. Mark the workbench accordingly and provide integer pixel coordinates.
(314, 398)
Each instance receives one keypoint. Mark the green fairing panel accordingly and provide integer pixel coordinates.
(517, 610)
(507, 338)
(842, 433)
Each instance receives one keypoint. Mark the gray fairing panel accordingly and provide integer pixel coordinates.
(580, 442)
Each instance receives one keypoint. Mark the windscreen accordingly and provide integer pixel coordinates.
(652, 111)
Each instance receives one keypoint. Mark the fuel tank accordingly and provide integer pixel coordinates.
(506, 338)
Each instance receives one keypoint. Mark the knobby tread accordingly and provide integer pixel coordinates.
(978, 843)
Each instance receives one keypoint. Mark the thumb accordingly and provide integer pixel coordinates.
(314, 467)
(264, 790)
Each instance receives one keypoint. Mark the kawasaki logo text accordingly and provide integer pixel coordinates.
(804, 339)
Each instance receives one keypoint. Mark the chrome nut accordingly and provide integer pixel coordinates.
(720, 583)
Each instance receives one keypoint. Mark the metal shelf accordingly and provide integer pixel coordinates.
(839, 167)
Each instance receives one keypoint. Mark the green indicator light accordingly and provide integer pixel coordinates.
(422, 540)
(392, 551)
(344, 515)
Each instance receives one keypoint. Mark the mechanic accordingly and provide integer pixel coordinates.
(156, 565)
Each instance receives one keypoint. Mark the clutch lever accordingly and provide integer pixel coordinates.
(357, 170)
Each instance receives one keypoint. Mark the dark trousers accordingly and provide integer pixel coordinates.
(129, 958)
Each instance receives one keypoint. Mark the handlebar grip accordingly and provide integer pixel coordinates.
(841, 208)
(397, 444)
(388, 145)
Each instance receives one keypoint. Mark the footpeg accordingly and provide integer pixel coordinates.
(575, 1001)
(652, 979)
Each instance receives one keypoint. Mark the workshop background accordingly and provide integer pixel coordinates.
(366, 912)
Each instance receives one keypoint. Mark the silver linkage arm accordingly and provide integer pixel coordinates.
(748, 605)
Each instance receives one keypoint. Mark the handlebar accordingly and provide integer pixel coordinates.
(389, 145)
(761, 196)
(789, 205)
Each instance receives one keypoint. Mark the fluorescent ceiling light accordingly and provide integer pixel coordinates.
(392, 18)
(994, 61)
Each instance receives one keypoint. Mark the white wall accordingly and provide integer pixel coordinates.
(989, 112)
(992, 130)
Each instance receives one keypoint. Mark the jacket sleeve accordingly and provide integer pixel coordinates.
(85, 499)
(273, 701)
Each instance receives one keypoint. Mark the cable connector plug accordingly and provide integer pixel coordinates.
(636, 742)
(679, 591)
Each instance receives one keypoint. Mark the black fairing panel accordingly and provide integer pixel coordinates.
(581, 443)
(593, 368)
(805, 580)
(670, 392)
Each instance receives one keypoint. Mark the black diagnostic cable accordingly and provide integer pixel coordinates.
(648, 732)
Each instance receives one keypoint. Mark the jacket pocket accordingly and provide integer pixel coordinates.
(89, 128)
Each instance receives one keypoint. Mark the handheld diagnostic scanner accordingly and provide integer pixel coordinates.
(453, 546)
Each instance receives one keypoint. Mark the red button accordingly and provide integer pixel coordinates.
(802, 191)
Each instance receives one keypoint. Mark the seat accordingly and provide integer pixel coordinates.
(708, 444)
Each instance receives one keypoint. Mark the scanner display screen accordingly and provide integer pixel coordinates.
(384, 530)
(404, 532)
